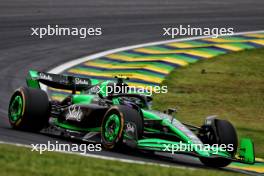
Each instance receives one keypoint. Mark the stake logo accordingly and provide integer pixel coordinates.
(74, 113)
(81, 81)
(44, 76)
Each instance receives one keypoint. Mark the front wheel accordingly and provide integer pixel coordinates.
(114, 122)
(220, 132)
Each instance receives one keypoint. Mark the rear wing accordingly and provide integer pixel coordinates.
(58, 81)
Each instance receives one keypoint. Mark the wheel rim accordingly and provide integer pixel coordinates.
(112, 127)
(16, 108)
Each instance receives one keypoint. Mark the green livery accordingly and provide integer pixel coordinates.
(95, 111)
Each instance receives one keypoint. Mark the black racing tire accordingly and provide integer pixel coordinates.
(28, 109)
(226, 134)
(125, 115)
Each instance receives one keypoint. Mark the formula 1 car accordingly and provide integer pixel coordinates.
(93, 113)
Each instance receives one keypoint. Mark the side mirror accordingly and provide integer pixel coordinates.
(171, 111)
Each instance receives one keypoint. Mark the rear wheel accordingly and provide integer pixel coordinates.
(221, 132)
(28, 109)
(114, 122)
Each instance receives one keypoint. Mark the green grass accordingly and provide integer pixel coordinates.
(231, 87)
(16, 161)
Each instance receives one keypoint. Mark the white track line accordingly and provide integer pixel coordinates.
(73, 63)
(103, 157)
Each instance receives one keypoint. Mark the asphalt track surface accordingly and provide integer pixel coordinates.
(124, 22)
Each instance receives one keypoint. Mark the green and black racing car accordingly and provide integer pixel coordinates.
(123, 119)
